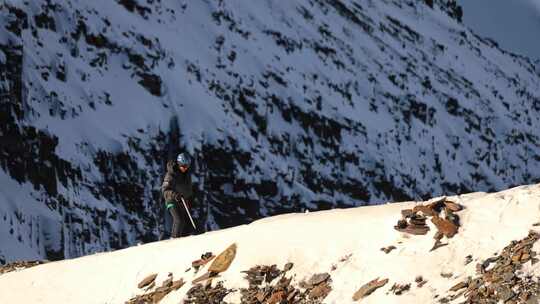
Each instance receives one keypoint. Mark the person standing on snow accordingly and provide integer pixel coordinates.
(177, 186)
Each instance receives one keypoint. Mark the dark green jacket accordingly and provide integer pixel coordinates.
(176, 182)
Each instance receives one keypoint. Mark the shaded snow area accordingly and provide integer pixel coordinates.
(286, 106)
(318, 257)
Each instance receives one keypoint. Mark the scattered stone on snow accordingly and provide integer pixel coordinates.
(459, 286)
(425, 210)
(206, 294)
(388, 249)
(438, 244)
(500, 279)
(414, 224)
(147, 281)
(369, 288)
(316, 279)
(205, 258)
(288, 267)
(259, 274)
(156, 295)
(446, 275)
(399, 289)
(219, 264)
(207, 276)
(442, 213)
(152, 285)
(446, 227)
(345, 258)
(16, 266)
(452, 206)
(264, 288)
(318, 286)
(223, 260)
(420, 281)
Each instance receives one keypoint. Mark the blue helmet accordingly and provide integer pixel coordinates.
(183, 159)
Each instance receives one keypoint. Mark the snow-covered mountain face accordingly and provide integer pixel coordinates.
(284, 106)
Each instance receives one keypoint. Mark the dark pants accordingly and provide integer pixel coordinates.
(180, 220)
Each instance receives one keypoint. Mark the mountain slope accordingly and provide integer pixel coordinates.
(340, 243)
(301, 105)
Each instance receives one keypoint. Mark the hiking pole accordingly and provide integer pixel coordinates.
(189, 215)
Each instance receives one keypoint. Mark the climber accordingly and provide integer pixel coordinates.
(177, 190)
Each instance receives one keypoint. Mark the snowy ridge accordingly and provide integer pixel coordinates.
(301, 105)
(314, 243)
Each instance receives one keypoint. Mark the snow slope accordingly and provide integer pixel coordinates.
(310, 104)
(313, 241)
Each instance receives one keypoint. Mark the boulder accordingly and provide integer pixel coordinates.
(453, 206)
(223, 260)
(446, 227)
(320, 291)
(147, 280)
(459, 286)
(426, 210)
(369, 288)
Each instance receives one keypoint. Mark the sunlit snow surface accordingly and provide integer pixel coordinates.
(313, 241)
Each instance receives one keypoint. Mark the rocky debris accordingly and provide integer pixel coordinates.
(425, 210)
(220, 264)
(446, 227)
(207, 276)
(438, 244)
(223, 260)
(437, 237)
(442, 213)
(205, 258)
(405, 213)
(259, 274)
(420, 281)
(500, 278)
(288, 267)
(369, 288)
(446, 275)
(452, 206)
(316, 288)
(152, 83)
(320, 290)
(414, 224)
(147, 281)
(16, 266)
(399, 289)
(206, 294)
(157, 294)
(345, 258)
(264, 288)
(459, 286)
(388, 249)
(317, 279)
(468, 259)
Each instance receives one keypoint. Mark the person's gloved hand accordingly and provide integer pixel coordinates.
(178, 197)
